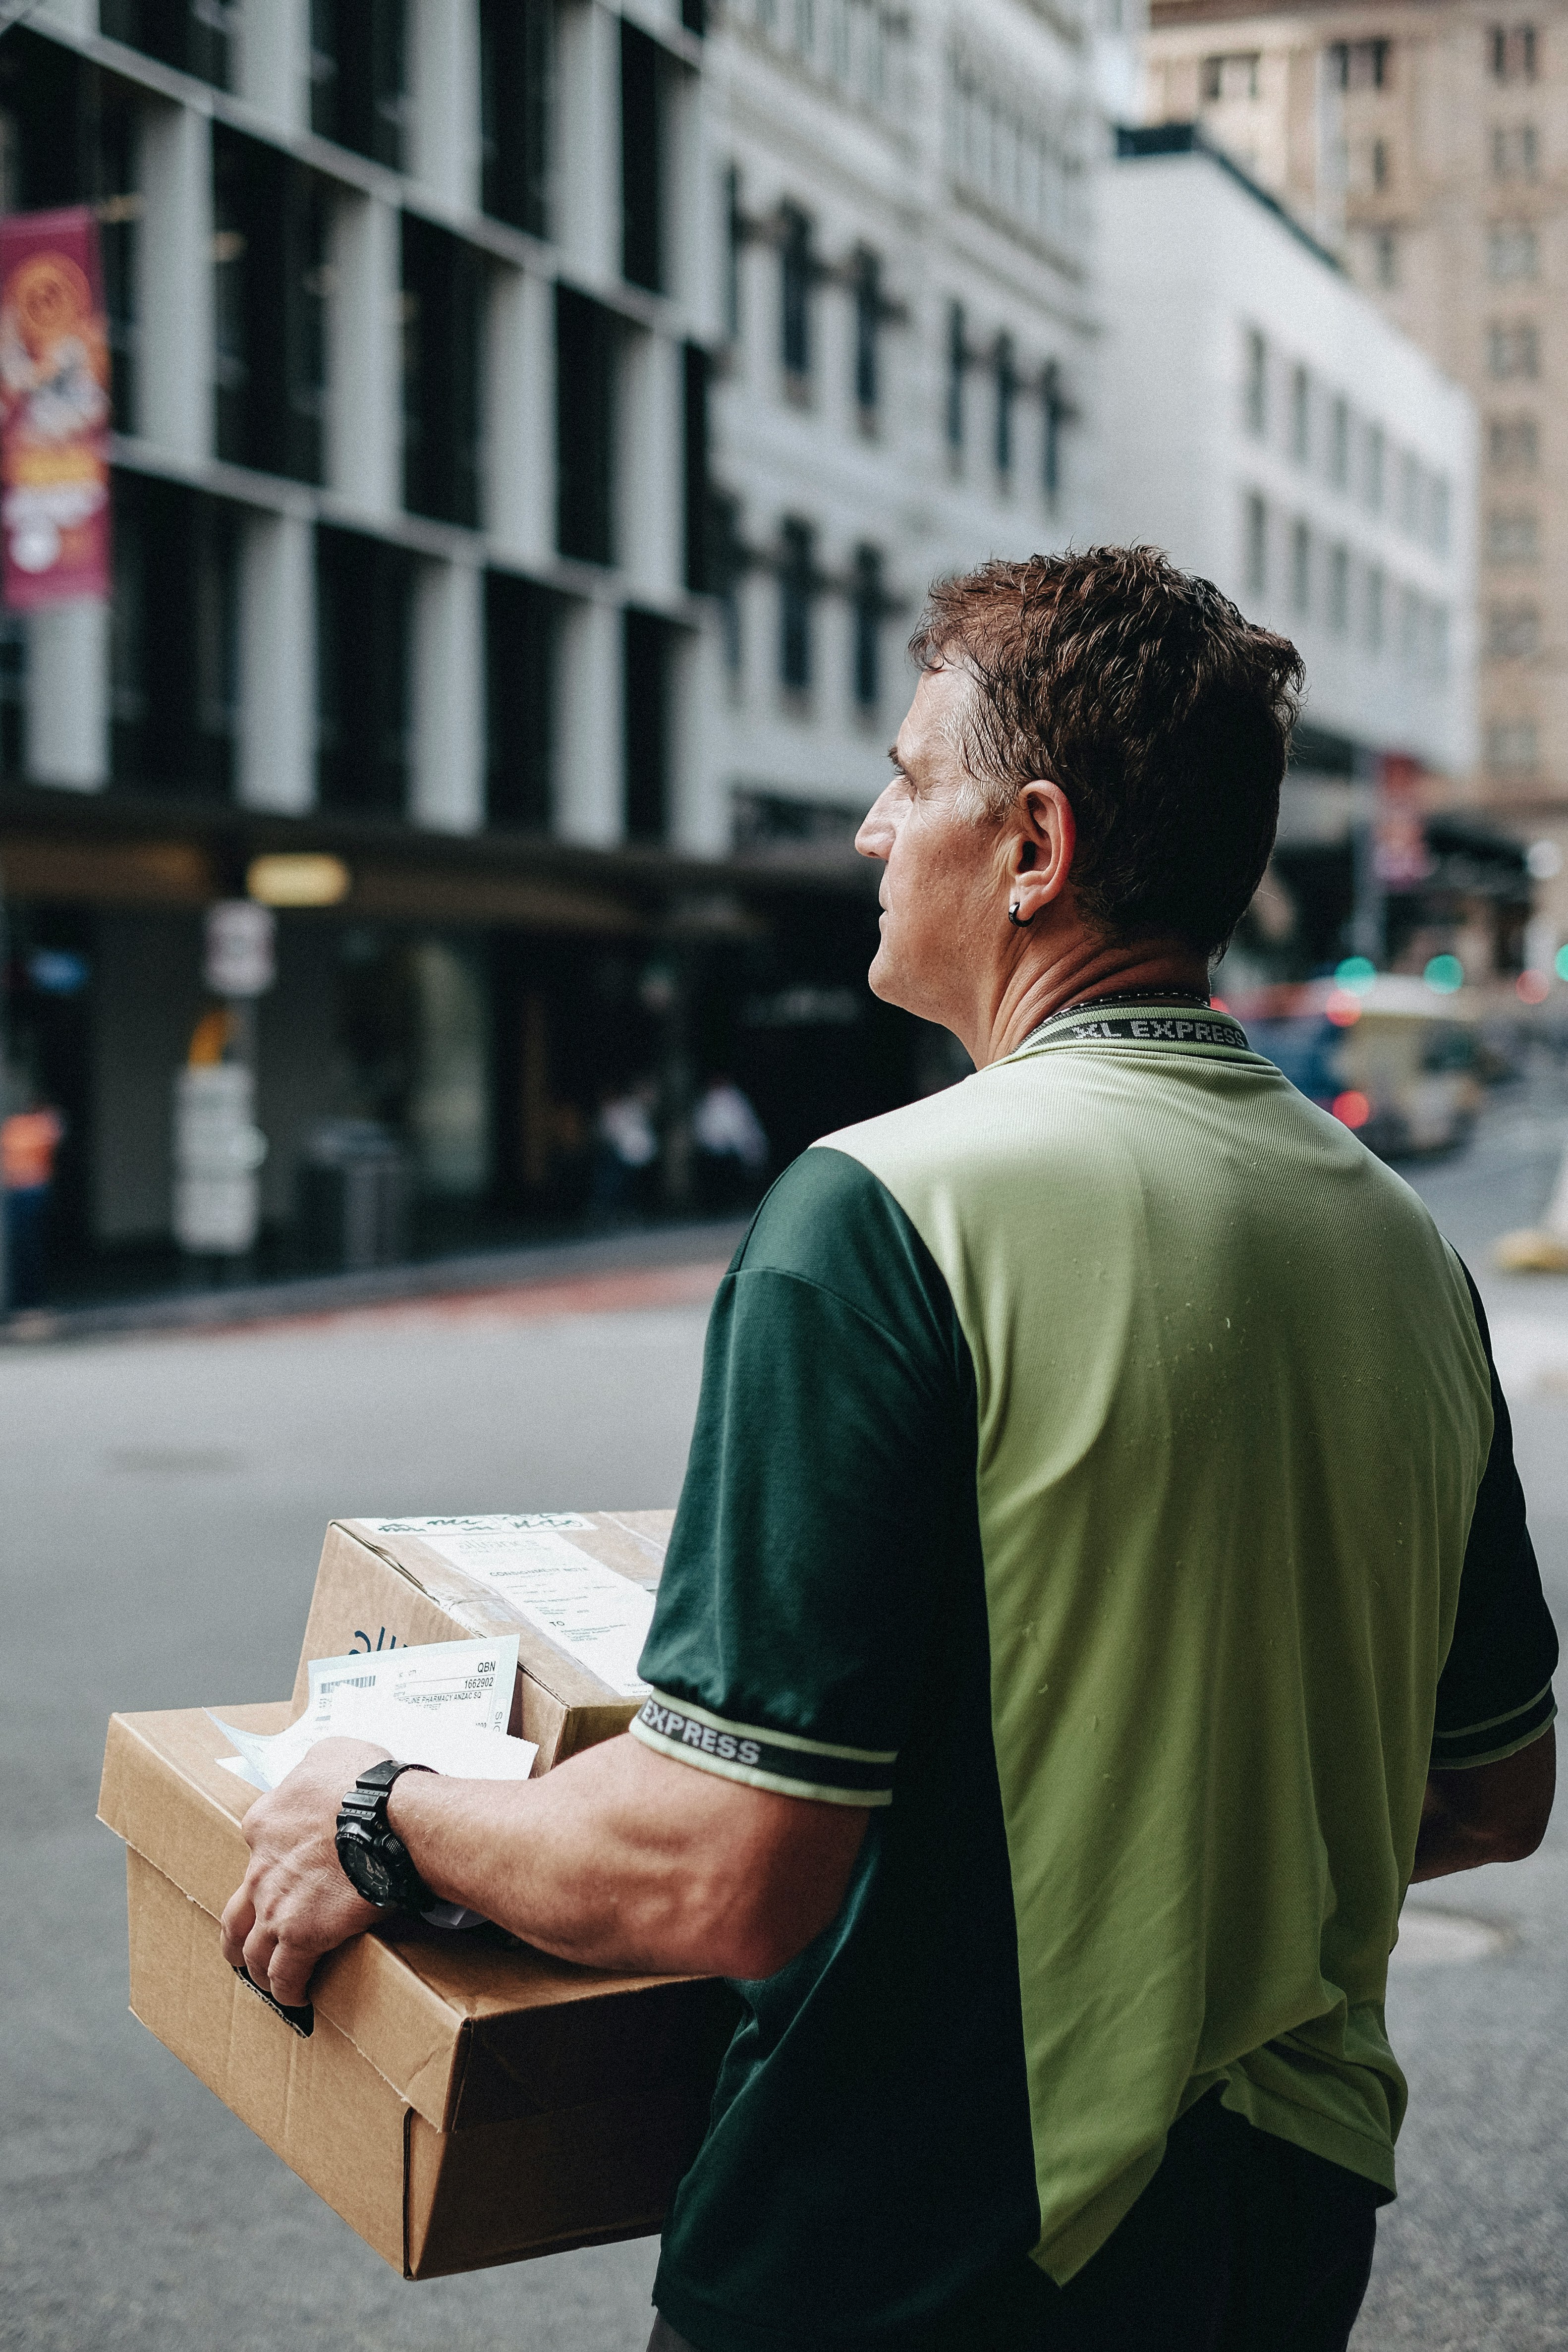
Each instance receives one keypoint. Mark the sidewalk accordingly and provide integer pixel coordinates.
(642, 1267)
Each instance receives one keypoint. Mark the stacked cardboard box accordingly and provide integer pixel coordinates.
(460, 2100)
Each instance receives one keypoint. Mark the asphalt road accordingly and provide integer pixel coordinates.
(163, 1502)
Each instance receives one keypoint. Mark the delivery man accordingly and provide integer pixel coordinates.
(1100, 1586)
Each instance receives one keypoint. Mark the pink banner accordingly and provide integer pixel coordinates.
(54, 409)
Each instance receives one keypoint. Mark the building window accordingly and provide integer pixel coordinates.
(1254, 533)
(1005, 367)
(1360, 65)
(1374, 603)
(1256, 396)
(173, 649)
(866, 272)
(1338, 590)
(1511, 49)
(363, 603)
(727, 563)
(696, 486)
(869, 601)
(269, 239)
(1411, 628)
(1511, 746)
(1231, 76)
(520, 623)
(1514, 632)
(1059, 414)
(193, 35)
(1376, 448)
(1513, 444)
(517, 62)
(734, 245)
(1512, 252)
(358, 75)
(797, 599)
(1385, 257)
(648, 651)
(443, 301)
(797, 276)
(1412, 489)
(1513, 350)
(587, 347)
(1378, 165)
(1440, 502)
(1300, 569)
(957, 367)
(1512, 536)
(642, 159)
(1300, 414)
(1516, 152)
(1340, 443)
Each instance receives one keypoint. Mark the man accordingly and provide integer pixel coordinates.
(1100, 1584)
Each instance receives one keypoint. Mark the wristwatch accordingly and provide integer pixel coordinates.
(374, 1858)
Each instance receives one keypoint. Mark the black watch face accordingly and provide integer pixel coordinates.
(368, 1871)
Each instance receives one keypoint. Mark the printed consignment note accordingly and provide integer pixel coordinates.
(444, 1704)
(573, 1600)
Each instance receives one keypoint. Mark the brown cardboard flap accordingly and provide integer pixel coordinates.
(377, 1591)
(477, 1606)
(466, 2027)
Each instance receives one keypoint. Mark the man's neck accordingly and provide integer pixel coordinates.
(1086, 969)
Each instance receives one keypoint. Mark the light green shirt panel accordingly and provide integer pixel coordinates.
(1233, 1413)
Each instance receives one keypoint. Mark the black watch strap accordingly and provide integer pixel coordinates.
(374, 1859)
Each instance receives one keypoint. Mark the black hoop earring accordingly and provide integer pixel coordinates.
(1020, 922)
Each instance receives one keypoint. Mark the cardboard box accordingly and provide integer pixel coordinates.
(375, 1589)
(459, 2100)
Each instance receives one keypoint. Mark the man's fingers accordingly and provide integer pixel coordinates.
(238, 1919)
(256, 1955)
(290, 1975)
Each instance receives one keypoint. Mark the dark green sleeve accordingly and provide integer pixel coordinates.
(834, 1446)
(1495, 1692)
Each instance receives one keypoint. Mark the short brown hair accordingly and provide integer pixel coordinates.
(1161, 713)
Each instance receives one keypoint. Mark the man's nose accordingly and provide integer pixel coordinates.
(875, 837)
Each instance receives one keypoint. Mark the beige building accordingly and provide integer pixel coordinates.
(1426, 143)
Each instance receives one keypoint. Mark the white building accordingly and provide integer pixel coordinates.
(1273, 432)
(904, 387)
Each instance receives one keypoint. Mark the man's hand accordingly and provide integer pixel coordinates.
(295, 1902)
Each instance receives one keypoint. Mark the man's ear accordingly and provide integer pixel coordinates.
(1044, 840)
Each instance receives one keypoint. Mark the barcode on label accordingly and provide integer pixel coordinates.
(347, 1681)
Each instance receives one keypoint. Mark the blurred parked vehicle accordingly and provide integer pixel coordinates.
(1395, 1060)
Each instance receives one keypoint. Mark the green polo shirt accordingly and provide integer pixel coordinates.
(1092, 1463)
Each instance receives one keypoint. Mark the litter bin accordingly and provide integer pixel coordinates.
(354, 1195)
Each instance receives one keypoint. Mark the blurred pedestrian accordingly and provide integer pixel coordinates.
(28, 1142)
(730, 1144)
(625, 1150)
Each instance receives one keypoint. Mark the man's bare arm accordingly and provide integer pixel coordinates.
(618, 1858)
(1493, 1813)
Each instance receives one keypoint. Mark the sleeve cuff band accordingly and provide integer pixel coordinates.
(1489, 1742)
(782, 1761)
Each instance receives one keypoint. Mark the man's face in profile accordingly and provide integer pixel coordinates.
(942, 892)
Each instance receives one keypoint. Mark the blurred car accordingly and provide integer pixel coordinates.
(1394, 1060)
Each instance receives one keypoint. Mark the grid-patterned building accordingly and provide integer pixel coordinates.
(1426, 141)
(536, 424)
(902, 376)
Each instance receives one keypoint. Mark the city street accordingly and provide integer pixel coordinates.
(163, 1499)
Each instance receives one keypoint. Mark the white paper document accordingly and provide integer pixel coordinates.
(573, 1600)
(444, 1704)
